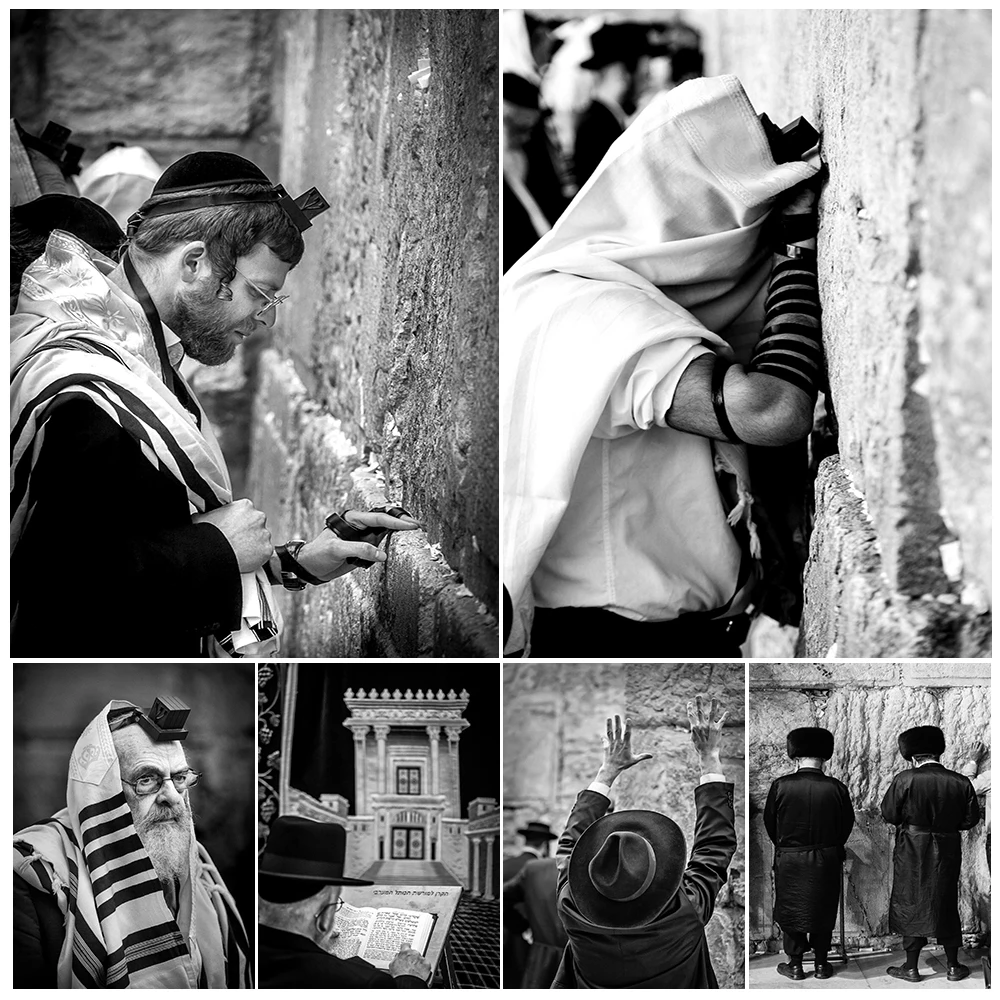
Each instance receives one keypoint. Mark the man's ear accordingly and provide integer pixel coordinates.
(193, 262)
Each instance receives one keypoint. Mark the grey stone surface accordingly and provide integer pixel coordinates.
(393, 320)
(902, 100)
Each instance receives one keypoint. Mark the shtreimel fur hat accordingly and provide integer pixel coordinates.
(810, 741)
(921, 741)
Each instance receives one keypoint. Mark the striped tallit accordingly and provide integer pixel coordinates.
(120, 933)
(75, 334)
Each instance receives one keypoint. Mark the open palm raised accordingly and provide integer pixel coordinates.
(618, 755)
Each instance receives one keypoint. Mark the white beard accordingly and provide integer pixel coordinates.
(168, 845)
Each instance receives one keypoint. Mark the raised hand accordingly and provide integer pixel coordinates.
(706, 730)
(618, 755)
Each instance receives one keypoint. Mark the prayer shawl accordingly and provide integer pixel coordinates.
(76, 334)
(120, 933)
(659, 259)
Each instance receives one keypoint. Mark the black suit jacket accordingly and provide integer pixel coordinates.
(596, 130)
(148, 581)
(293, 961)
(670, 952)
(38, 937)
(529, 901)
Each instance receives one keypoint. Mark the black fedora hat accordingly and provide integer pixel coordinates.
(536, 830)
(624, 42)
(626, 867)
(921, 741)
(307, 851)
(810, 741)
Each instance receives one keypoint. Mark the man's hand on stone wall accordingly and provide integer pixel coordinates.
(618, 754)
(706, 733)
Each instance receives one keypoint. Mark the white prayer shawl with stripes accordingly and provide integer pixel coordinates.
(657, 260)
(76, 333)
(120, 933)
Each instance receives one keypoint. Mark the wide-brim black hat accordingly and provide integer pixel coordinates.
(307, 851)
(921, 741)
(624, 43)
(810, 741)
(626, 867)
(537, 830)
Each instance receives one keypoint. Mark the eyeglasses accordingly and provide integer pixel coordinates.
(336, 904)
(150, 784)
(273, 301)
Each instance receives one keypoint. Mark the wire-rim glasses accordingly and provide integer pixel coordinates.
(150, 784)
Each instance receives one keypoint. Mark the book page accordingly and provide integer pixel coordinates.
(352, 923)
(392, 928)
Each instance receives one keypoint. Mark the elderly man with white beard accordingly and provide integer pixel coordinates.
(115, 891)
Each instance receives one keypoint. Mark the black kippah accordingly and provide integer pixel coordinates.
(79, 216)
(209, 169)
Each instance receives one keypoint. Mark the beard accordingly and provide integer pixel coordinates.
(201, 322)
(165, 832)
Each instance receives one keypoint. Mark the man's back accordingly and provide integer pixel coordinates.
(933, 797)
(808, 808)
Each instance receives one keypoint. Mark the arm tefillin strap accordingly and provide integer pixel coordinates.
(790, 347)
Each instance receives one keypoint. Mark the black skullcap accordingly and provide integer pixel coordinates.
(79, 216)
(208, 169)
(519, 91)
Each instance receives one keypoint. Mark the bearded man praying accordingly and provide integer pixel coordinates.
(114, 891)
(116, 476)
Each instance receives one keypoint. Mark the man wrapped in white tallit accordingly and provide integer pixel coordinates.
(627, 508)
(114, 891)
(118, 488)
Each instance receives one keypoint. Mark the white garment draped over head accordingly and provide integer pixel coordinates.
(657, 260)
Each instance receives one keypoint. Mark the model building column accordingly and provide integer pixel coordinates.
(434, 735)
(488, 873)
(381, 733)
(360, 768)
(475, 867)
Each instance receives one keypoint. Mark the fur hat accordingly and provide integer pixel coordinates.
(810, 741)
(921, 741)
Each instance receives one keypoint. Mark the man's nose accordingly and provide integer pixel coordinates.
(168, 794)
(268, 317)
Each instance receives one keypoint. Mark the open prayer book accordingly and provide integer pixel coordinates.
(377, 934)
(376, 919)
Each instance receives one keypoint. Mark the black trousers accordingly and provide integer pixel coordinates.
(914, 943)
(796, 943)
(583, 632)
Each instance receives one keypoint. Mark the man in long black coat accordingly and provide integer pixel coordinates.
(929, 806)
(634, 913)
(808, 816)
(529, 903)
(537, 837)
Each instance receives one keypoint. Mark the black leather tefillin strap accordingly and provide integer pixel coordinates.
(170, 377)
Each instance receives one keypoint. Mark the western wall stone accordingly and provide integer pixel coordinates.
(865, 716)
(902, 100)
(392, 324)
(554, 717)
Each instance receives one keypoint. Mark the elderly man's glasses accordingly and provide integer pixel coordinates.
(336, 905)
(273, 301)
(150, 784)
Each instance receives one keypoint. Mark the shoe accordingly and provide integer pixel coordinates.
(898, 972)
(956, 973)
(791, 971)
(824, 970)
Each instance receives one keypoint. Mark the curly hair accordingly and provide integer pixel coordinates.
(229, 231)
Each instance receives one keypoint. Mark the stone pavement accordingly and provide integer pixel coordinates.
(868, 972)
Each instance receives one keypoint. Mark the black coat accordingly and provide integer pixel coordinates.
(38, 937)
(929, 806)
(596, 130)
(148, 582)
(515, 948)
(670, 952)
(808, 816)
(293, 961)
(529, 901)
